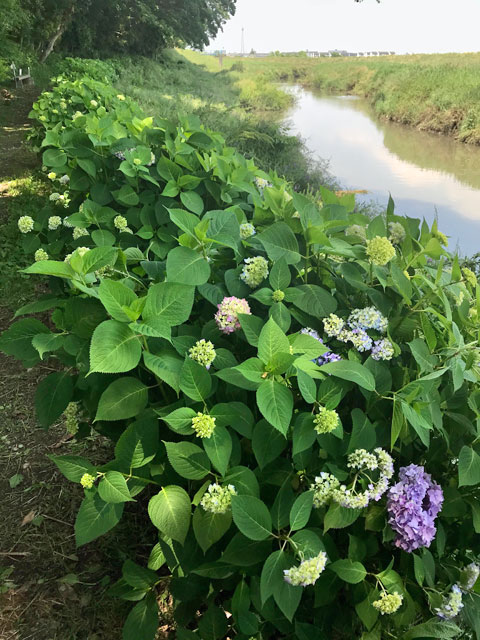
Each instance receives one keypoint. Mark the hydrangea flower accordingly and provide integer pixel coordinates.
(203, 425)
(78, 232)
(452, 604)
(255, 270)
(323, 488)
(52, 175)
(54, 222)
(333, 325)
(470, 576)
(413, 504)
(388, 603)
(359, 338)
(77, 114)
(64, 179)
(120, 222)
(397, 232)
(308, 572)
(262, 184)
(469, 276)
(55, 197)
(71, 417)
(441, 237)
(368, 318)
(121, 97)
(87, 481)
(67, 224)
(363, 461)
(356, 230)
(218, 499)
(40, 254)
(247, 230)
(382, 349)
(328, 356)
(380, 250)
(326, 420)
(203, 352)
(227, 314)
(278, 295)
(94, 103)
(25, 224)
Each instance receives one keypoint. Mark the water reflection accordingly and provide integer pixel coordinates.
(425, 173)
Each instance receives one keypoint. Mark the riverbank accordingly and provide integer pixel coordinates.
(438, 92)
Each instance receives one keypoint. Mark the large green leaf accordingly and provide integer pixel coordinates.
(275, 402)
(188, 460)
(165, 366)
(348, 570)
(123, 399)
(195, 381)
(192, 201)
(280, 242)
(468, 467)
(210, 527)
(187, 266)
(170, 302)
(138, 444)
(114, 348)
(251, 517)
(52, 397)
(73, 467)
(353, 371)
(271, 341)
(142, 621)
(113, 488)
(94, 518)
(114, 296)
(219, 448)
(301, 510)
(170, 512)
(16, 341)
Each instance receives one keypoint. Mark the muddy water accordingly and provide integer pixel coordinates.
(427, 175)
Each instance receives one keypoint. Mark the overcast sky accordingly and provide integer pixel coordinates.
(412, 26)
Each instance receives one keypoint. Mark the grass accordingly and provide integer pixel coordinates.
(437, 92)
(247, 111)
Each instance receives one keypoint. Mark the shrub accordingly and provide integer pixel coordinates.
(292, 389)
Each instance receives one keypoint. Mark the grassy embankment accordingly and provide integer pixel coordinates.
(439, 92)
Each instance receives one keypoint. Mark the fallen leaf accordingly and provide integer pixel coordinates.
(28, 518)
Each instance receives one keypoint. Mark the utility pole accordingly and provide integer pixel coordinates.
(242, 46)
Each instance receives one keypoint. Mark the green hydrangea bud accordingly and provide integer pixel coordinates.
(388, 602)
(380, 250)
(25, 224)
(326, 420)
(71, 417)
(278, 295)
(87, 481)
(203, 425)
(120, 222)
(469, 276)
(40, 254)
(217, 499)
(203, 352)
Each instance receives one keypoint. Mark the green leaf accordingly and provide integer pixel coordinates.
(219, 448)
(272, 573)
(275, 402)
(113, 488)
(188, 460)
(366, 612)
(267, 443)
(213, 625)
(138, 444)
(468, 467)
(94, 518)
(180, 420)
(243, 552)
(210, 527)
(401, 282)
(234, 414)
(308, 543)
(352, 371)
(16, 341)
(398, 421)
(52, 397)
(271, 341)
(252, 327)
(97, 258)
(348, 570)
(47, 342)
(124, 398)
(192, 201)
(51, 268)
(114, 296)
(165, 366)
(252, 517)
(170, 512)
(433, 629)
(195, 381)
(307, 387)
(114, 348)
(280, 242)
(363, 432)
(169, 302)
(126, 196)
(73, 467)
(301, 510)
(338, 517)
(142, 621)
(312, 299)
(280, 275)
(138, 577)
(187, 266)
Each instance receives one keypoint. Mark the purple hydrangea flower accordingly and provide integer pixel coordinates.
(413, 504)
(328, 356)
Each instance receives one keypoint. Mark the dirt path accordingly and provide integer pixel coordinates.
(49, 590)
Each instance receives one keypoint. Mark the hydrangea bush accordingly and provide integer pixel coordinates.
(291, 388)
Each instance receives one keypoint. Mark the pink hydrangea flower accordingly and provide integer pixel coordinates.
(227, 314)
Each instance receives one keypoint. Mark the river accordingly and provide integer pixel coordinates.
(427, 174)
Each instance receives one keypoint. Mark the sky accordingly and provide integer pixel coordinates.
(403, 26)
